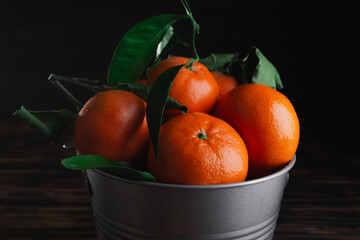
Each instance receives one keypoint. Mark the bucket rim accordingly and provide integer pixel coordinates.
(266, 178)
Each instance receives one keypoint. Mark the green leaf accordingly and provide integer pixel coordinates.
(118, 168)
(256, 68)
(169, 41)
(137, 48)
(143, 91)
(156, 104)
(49, 124)
(90, 161)
(220, 62)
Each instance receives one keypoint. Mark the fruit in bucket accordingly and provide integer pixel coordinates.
(267, 122)
(253, 132)
(112, 124)
(199, 149)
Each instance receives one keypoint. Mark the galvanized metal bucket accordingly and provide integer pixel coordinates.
(137, 210)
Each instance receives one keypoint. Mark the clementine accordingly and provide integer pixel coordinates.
(112, 124)
(198, 149)
(196, 87)
(267, 122)
(225, 82)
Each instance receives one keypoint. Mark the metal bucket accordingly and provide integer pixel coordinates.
(137, 210)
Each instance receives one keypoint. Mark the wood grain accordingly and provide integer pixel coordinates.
(39, 199)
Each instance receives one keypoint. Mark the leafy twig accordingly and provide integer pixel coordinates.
(196, 29)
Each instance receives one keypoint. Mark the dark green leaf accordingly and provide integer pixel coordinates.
(138, 47)
(175, 105)
(156, 104)
(118, 168)
(90, 161)
(169, 41)
(49, 124)
(220, 62)
(143, 91)
(256, 68)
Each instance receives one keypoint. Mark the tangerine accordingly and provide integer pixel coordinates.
(198, 149)
(225, 82)
(196, 87)
(267, 122)
(113, 124)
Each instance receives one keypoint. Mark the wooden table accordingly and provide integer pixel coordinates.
(39, 199)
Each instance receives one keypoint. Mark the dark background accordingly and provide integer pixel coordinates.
(315, 48)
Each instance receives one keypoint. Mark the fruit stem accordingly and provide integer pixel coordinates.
(202, 135)
(67, 94)
(196, 29)
(84, 82)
